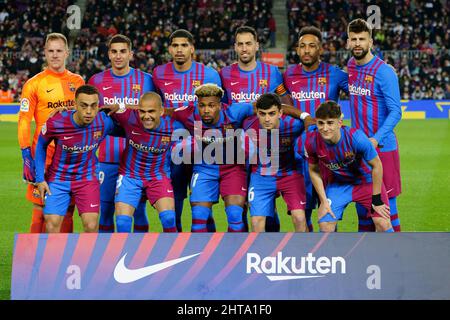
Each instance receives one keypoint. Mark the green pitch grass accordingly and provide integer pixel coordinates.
(423, 206)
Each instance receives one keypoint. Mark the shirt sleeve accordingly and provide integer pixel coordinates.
(239, 111)
(310, 152)
(45, 137)
(225, 93)
(280, 88)
(148, 83)
(121, 118)
(214, 77)
(299, 151)
(343, 80)
(391, 92)
(298, 127)
(182, 114)
(364, 146)
(112, 128)
(28, 104)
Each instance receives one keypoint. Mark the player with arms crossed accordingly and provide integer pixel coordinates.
(145, 164)
(72, 173)
(176, 82)
(310, 83)
(356, 172)
(121, 84)
(375, 109)
(247, 79)
(269, 178)
(50, 89)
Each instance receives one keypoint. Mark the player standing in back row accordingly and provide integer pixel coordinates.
(375, 107)
(249, 78)
(176, 82)
(50, 89)
(120, 84)
(310, 83)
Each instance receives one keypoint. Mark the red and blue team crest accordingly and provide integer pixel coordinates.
(368, 78)
(72, 87)
(97, 134)
(136, 87)
(165, 140)
(227, 126)
(196, 83)
(36, 193)
(263, 83)
(349, 154)
(322, 81)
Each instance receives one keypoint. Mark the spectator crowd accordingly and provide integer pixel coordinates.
(406, 25)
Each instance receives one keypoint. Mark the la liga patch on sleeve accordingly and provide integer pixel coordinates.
(24, 105)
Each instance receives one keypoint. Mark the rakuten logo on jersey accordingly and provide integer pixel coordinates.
(358, 91)
(244, 97)
(144, 148)
(60, 104)
(77, 149)
(116, 100)
(176, 97)
(307, 95)
(289, 268)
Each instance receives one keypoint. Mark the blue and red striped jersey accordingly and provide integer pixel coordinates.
(75, 157)
(215, 135)
(309, 89)
(347, 160)
(114, 90)
(177, 88)
(262, 144)
(147, 153)
(375, 100)
(248, 86)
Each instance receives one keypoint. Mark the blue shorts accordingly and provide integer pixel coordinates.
(340, 195)
(130, 190)
(262, 191)
(86, 195)
(208, 186)
(108, 174)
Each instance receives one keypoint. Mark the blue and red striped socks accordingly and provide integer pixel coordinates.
(200, 215)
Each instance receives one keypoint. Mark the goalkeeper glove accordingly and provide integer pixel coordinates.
(29, 173)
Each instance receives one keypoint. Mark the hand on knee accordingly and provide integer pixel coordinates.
(382, 224)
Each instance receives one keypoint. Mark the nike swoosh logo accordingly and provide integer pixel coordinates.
(106, 88)
(167, 83)
(243, 189)
(124, 275)
(320, 156)
(233, 83)
(136, 133)
(67, 138)
(294, 82)
(48, 91)
(94, 205)
(302, 202)
(169, 191)
(389, 190)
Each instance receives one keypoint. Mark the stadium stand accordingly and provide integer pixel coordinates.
(413, 38)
